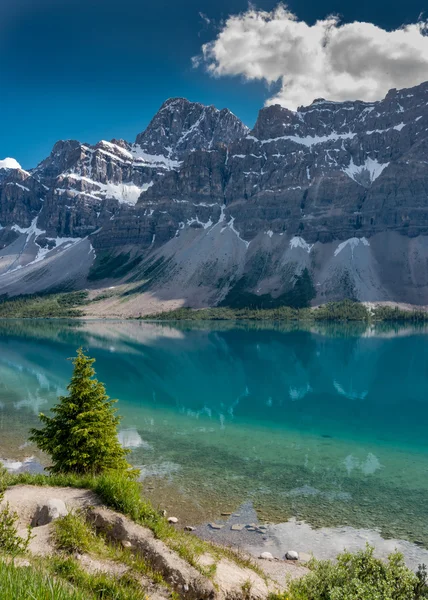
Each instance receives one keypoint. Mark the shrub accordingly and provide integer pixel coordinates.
(358, 576)
(10, 541)
(73, 534)
(81, 437)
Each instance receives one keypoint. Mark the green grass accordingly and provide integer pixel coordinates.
(73, 534)
(101, 586)
(34, 583)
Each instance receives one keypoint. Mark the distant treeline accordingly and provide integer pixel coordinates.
(68, 305)
(346, 310)
(43, 306)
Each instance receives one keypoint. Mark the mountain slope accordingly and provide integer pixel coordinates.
(323, 203)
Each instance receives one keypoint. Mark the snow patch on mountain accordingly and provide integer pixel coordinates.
(370, 167)
(352, 243)
(9, 163)
(299, 242)
(32, 230)
(154, 160)
(126, 193)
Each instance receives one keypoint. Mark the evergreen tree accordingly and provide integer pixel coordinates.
(81, 437)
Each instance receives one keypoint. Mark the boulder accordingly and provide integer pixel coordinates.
(292, 555)
(48, 512)
(173, 520)
(266, 556)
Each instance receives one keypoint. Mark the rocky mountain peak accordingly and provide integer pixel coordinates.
(273, 121)
(336, 188)
(63, 156)
(181, 127)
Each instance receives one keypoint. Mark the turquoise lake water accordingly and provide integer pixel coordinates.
(327, 424)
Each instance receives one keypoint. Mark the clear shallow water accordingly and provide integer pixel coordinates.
(327, 425)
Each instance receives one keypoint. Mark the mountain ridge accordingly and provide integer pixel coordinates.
(207, 211)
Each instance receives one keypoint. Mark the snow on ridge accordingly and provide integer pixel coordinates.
(137, 156)
(206, 225)
(309, 140)
(299, 242)
(155, 160)
(9, 163)
(66, 242)
(372, 166)
(23, 187)
(32, 230)
(126, 193)
(352, 243)
(231, 226)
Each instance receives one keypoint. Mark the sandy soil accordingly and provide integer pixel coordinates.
(117, 306)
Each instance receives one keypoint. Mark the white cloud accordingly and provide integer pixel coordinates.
(324, 60)
(9, 163)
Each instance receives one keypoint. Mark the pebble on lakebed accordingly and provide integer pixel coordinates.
(266, 556)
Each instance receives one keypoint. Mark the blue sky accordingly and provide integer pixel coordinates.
(98, 69)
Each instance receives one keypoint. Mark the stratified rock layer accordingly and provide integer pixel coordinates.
(324, 203)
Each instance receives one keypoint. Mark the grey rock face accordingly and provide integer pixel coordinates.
(46, 513)
(181, 127)
(210, 210)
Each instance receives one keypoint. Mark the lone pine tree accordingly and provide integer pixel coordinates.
(81, 437)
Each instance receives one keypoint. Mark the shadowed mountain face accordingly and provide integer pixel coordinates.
(325, 203)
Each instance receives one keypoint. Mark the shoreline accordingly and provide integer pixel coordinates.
(241, 529)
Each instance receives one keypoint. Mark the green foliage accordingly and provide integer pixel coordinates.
(302, 293)
(346, 310)
(99, 585)
(283, 313)
(4, 479)
(81, 437)
(358, 576)
(72, 533)
(421, 588)
(396, 315)
(124, 495)
(33, 583)
(10, 541)
(43, 306)
(299, 296)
